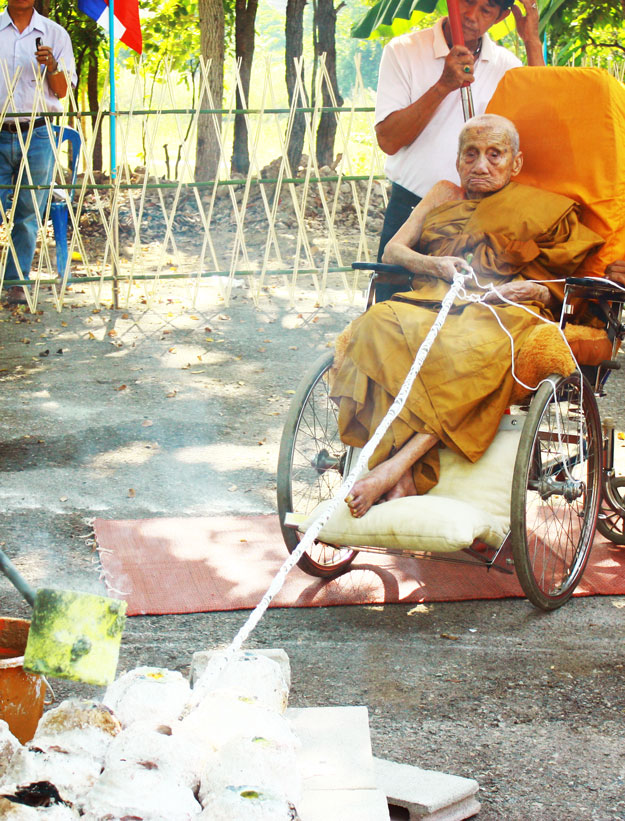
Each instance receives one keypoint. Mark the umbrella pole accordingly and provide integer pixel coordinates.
(113, 155)
(457, 39)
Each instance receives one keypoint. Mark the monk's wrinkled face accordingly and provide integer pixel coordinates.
(486, 160)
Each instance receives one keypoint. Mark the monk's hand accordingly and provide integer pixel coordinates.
(445, 267)
(616, 271)
(458, 69)
(520, 292)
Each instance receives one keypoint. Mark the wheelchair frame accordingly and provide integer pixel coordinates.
(564, 484)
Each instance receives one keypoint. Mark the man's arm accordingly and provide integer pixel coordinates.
(55, 78)
(527, 26)
(58, 84)
(402, 127)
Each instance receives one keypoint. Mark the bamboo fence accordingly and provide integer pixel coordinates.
(134, 232)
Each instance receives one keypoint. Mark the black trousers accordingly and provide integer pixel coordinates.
(399, 208)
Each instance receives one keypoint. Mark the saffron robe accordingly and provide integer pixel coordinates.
(465, 383)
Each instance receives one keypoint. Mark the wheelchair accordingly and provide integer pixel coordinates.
(564, 484)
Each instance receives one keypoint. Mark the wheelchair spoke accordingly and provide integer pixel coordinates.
(552, 541)
(611, 521)
(311, 463)
(556, 514)
(317, 452)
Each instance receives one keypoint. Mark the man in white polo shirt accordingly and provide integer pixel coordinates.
(418, 114)
(29, 43)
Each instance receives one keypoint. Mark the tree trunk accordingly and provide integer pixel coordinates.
(294, 47)
(245, 11)
(212, 34)
(92, 96)
(325, 26)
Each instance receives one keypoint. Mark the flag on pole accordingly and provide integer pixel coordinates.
(127, 25)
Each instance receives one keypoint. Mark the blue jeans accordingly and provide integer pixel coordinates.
(40, 160)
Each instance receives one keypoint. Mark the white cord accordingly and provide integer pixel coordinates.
(481, 300)
(205, 683)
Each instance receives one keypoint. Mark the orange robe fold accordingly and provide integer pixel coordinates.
(465, 383)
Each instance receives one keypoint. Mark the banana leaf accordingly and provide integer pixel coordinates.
(385, 11)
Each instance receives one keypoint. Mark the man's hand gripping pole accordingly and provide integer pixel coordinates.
(457, 39)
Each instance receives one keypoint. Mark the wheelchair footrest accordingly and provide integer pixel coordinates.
(294, 520)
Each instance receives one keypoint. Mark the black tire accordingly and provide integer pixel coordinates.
(310, 466)
(611, 521)
(554, 509)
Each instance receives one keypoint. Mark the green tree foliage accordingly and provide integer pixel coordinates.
(86, 36)
(171, 35)
(347, 48)
(171, 32)
(586, 27)
(270, 41)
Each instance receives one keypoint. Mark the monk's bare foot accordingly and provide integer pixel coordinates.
(405, 487)
(392, 476)
(369, 489)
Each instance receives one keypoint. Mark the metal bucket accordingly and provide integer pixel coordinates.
(21, 694)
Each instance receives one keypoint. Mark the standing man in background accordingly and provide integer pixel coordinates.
(418, 114)
(29, 43)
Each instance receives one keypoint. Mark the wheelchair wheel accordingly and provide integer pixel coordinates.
(611, 521)
(556, 490)
(311, 464)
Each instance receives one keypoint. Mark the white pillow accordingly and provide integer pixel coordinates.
(471, 501)
(487, 483)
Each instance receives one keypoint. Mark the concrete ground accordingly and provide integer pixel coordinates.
(177, 410)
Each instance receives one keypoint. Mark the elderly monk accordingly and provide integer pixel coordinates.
(514, 234)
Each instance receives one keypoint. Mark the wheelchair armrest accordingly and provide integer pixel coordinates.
(604, 298)
(382, 268)
(594, 288)
(385, 280)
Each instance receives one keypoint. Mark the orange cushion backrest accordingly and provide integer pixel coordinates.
(572, 127)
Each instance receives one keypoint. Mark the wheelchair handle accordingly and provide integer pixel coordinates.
(381, 268)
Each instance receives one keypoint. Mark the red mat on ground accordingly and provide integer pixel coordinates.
(227, 562)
